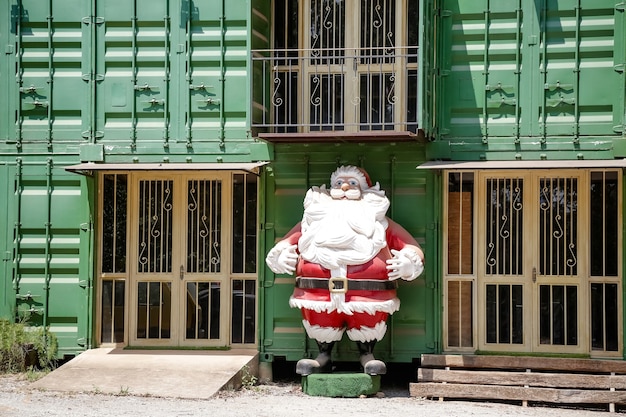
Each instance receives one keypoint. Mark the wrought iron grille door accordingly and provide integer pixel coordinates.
(530, 278)
(180, 280)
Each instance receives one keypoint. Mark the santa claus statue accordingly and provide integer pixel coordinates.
(347, 256)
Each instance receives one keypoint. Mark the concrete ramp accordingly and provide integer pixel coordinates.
(160, 373)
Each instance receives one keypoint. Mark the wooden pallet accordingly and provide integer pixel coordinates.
(511, 378)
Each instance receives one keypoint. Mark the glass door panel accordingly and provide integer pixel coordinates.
(557, 273)
(203, 274)
(504, 277)
(202, 310)
(154, 310)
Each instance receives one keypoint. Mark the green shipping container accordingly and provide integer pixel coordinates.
(523, 79)
(137, 76)
(414, 198)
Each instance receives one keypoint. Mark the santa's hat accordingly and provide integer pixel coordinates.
(355, 172)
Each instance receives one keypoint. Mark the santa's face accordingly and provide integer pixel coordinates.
(346, 187)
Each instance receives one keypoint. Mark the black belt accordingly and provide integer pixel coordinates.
(342, 284)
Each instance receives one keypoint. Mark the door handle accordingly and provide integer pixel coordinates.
(182, 272)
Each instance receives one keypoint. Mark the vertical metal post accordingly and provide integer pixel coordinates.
(576, 71)
(47, 274)
(392, 186)
(133, 110)
(19, 72)
(518, 71)
(544, 69)
(50, 72)
(188, 78)
(166, 104)
(485, 128)
(222, 72)
(17, 231)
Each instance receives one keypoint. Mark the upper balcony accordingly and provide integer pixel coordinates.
(348, 69)
(346, 92)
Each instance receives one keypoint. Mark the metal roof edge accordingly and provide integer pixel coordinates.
(87, 168)
(525, 164)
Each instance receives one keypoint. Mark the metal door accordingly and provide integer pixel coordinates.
(179, 279)
(530, 263)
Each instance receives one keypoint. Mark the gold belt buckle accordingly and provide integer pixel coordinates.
(333, 289)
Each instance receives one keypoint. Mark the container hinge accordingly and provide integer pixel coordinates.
(268, 342)
(267, 226)
(557, 86)
(92, 77)
(560, 101)
(146, 87)
(209, 101)
(91, 134)
(501, 102)
(26, 297)
(201, 86)
(31, 89)
(81, 341)
(619, 129)
(268, 284)
(619, 67)
(30, 311)
(6, 256)
(444, 12)
(499, 87)
(86, 227)
(620, 7)
(93, 19)
(83, 283)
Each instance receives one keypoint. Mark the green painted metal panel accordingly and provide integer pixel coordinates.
(259, 40)
(47, 48)
(413, 330)
(427, 51)
(531, 70)
(49, 265)
(166, 70)
(151, 78)
(7, 297)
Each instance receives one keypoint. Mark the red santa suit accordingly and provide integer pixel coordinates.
(346, 252)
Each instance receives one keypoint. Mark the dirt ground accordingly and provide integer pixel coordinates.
(277, 399)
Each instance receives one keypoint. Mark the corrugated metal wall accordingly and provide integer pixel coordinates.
(47, 248)
(132, 74)
(104, 81)
(414, 197)
(530, 78)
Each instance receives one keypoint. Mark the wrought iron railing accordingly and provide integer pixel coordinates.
(309, 90)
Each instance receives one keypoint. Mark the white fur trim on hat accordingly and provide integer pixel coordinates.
(350, 171)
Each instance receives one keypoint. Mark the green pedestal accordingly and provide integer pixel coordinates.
(347, 385)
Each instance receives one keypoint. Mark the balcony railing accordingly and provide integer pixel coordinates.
(315, 90)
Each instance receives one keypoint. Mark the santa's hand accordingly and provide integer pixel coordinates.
(282, 258)
(405, 264)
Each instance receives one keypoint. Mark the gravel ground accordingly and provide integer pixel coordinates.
(279, 399)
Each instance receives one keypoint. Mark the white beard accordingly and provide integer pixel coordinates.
(338, 233)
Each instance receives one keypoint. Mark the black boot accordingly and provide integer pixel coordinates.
(321, 364)
(371, 365)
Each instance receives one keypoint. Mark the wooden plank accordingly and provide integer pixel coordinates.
(524, 362)
(492, 392)
(535, 379)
